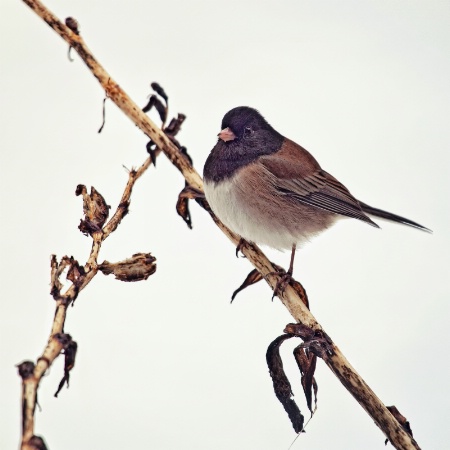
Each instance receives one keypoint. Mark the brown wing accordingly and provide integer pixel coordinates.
(298, 175)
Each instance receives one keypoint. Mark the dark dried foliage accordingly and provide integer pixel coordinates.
(253, 277)
(160, 91)
(281, 385)
(174, 128)
(75, 273)
(155, 102)
(316, 341)
(306, 362)
(95, 210)
(139, 267)
(70, 351)
(188, 193)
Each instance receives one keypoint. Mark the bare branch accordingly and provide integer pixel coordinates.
(138, 268)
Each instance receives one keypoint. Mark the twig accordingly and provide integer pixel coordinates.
(336, 362)
(32, 374)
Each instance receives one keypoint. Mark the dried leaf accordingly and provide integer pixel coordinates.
(299, 330)
(182, 206)
(160, 91)
(306, 362)
(150, 104)
(175, 126)
(151, 150)
(300, 290)
(139, 267)
(70, 351)
(281, 384)
(55, 284)
(401, 419)
(253, 277)
(95, 210)
(155, 102)
(316, 341)
(162, 110)
(75, 273)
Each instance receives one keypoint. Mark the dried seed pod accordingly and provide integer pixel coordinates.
(95, 210)
(139, 267)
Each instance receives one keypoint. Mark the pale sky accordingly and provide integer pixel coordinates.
(168, 363)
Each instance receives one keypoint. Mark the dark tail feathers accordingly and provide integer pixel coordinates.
(389, 216)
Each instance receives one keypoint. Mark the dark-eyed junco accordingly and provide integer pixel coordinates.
(271, 191)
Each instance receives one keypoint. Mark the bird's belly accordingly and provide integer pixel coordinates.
(262, 216)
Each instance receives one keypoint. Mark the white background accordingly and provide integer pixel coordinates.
(169, 363)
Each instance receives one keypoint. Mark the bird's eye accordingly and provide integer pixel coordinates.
(248, 131)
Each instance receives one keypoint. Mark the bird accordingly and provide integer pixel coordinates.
(271, 191)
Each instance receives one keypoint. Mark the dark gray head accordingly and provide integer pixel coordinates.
(245, 136)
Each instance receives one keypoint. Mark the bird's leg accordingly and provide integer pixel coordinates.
(291, 264)
(286, 278)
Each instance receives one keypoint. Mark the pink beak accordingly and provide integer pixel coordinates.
(226, 135)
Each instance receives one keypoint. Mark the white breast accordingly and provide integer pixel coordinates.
(252, 224)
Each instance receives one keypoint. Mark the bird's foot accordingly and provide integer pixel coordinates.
(239, 247)
(285, 279)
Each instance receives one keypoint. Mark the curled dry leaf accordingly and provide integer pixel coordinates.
(306, 362)
(160, 91)
(75, 273)
(95, 210)
(253, 277)
(188, 193)
(139, 267)
(401, 419)
(174, 127)
(150, 104)
(316, 341)
(155, 102)
(70, 351)
(281, 385)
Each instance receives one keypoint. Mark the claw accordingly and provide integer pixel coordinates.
(239, 247)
